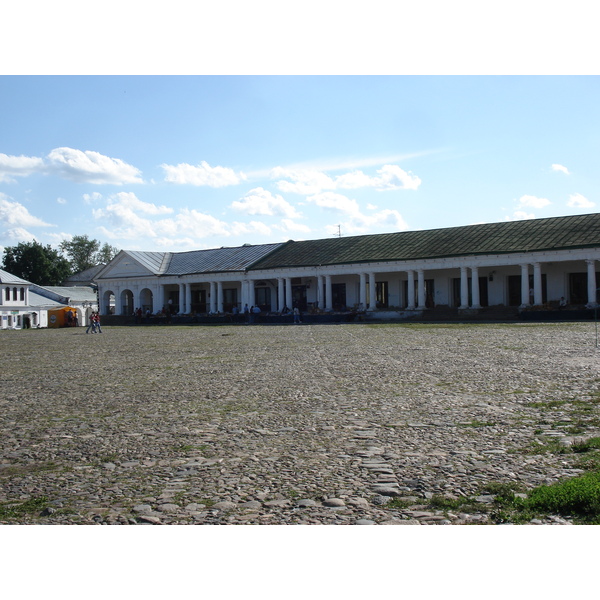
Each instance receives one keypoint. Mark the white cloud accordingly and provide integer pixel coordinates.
(579, 201)
(14, 214)
(288, 225)
(60, 200)
(335, 202)
(18, 166)
(259, 201)
(520, 215)
(202, 174)
(357, 222)
(534, 201)
(392, 177)
(131, 201)
(92, 198)
(561, 168)
(90, 167)
(254, 227)
(18, 234)
(309, 181)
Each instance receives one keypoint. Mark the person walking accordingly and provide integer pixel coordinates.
(91, 324)
(97, 319)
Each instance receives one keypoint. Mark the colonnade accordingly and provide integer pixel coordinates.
(415, 295)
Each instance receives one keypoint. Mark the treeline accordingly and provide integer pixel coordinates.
(44, 265)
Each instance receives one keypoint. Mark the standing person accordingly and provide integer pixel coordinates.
(296, 315)
(91, 324)
(97, 320)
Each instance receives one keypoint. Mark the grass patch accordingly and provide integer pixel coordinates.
(18, 511)
(29, 469)
(577, 497)
(476, 423)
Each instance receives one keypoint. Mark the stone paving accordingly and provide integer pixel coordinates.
(355, 424)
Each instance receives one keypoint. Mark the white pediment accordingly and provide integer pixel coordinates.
(125, 266)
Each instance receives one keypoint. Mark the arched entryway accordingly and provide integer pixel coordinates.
(126, 302)
(146, 300)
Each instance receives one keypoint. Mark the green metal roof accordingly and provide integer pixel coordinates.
(556, 233)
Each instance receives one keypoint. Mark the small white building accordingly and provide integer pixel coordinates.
(520, 264)
(20, 306)
(82, 298)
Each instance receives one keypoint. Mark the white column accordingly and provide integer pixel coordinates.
(372, 292)
(213, 296)
(320, 299)
(157, 293)
(537, 284)
(464, 288)
(591, 282)
(188, 298)
(421, 288)
(475, 287)
(328, 293)
(181, 298)
(219, 296)
(280, 294)
(362, 296)
(524, 285)
(288, 292)
(410, 300)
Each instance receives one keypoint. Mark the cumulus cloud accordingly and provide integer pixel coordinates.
(14, 214)
(127, 217)
(309, 182)
(18, 234)
(90, 167)
(18, 166)
(92, 198)
(336, 202)
(131, 201)
(287, 225)
(259, 201)
(520, 215)
(355, 221)
(254, 227)
(579, 201)
(61, 200)
(202, 175)
(560, 168)
(534, 201)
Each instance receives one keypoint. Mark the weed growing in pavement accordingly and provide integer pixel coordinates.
(29, 507)
(578, 497)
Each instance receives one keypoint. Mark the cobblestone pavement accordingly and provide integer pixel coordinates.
(328, 424)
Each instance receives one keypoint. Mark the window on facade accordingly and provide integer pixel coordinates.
(229, 299)
(7, 293)
(262, 298)
(15, 294)
(22, 294)
(338, 296)
(381, 291)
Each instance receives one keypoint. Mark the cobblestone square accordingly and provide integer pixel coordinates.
(307, 424)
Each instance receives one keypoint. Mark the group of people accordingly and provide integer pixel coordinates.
(72, 319)
(94, 323)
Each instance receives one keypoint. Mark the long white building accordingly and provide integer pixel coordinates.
(530, 263)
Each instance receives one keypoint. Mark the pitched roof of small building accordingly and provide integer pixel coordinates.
(78, 293)
(216, 260)
(556, 233)
(6, 277)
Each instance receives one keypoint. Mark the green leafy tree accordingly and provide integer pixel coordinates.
(36, 263)
(84, 253)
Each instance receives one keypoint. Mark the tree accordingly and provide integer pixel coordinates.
(84, 253)
(36, 263)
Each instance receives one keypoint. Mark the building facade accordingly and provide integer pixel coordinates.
(531, 263)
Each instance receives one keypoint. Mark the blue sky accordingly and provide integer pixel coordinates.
(186, 162)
